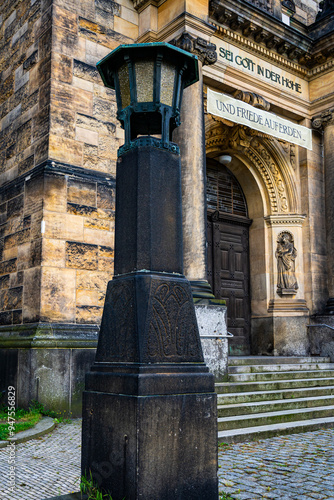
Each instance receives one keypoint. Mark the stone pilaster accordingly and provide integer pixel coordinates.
(191, 138)
(326, 122)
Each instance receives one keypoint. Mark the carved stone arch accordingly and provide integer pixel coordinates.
(264, 153)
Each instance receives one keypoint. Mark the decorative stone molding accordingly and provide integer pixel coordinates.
(285, 220)
(231, 19)
(324, 119)
(223, 137)
(205, 51)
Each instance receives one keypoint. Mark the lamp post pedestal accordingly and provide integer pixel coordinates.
(149, 408)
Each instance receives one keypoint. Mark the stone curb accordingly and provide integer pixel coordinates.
(47, 424)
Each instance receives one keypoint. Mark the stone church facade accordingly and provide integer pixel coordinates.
(257, 210)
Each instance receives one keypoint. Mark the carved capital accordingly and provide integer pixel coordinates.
(326, 118)
(205, 51)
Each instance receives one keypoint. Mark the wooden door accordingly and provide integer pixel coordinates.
(228, 257)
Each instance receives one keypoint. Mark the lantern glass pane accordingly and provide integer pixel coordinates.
(144, 80)
(167, 83)
(124, 83)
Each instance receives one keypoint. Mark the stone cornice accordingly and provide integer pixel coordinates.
(250, 26)
(286, 219)
(57, 168)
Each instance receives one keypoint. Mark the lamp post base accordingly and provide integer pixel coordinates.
(149, 409)
(154, 446)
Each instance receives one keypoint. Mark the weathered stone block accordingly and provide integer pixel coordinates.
(41, 150)
(13, 226)
(31, 294)
(58, 295)
(62, 122)
(92, 280)
(91, 157)
(17, 239)
(106, 252)
(55, 193)
(11, 298)
(87, 136)
(55, 225)
(98, 237)
(6, 318)
(76, 209)
(15, 207)
(97, 224)
(106, 265)
(87, 297)
(81, 192)
(68, 43)
(41, 124)
(16, 279)
(81, 255)
(9, 253)
(66, 150)
(4, 281)
(64, 19)
(34, 195)
(86, 71)
(89, 314)
(74, 227)
(17, 317)
(53, 253)
(105, 197)
(24, 256)
(62, 68)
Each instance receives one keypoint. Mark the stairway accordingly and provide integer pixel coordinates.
(268, 396)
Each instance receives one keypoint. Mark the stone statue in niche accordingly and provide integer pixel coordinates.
(286, 254)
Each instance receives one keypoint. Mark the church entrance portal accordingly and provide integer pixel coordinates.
(228, 252)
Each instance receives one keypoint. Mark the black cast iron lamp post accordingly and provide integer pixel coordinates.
(149, 406)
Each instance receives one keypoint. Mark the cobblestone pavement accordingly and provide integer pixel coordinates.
(46, 466)
(296, 467)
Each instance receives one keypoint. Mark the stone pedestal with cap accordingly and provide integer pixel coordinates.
(149, 406)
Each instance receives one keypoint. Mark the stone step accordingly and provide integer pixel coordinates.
(282, 375)
(267, 431)
(227, 387)
(258, 396)
(278, 368)
(252, 408)
(274, 417)
(274, 360)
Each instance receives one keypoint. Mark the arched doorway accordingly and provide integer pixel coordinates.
(228, 251)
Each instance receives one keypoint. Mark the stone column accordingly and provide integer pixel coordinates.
(326, 122)
(190, 136)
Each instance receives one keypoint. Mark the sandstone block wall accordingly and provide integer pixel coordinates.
(57, 229)
(57, 250)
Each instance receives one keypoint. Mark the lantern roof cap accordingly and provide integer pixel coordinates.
(144, 51)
